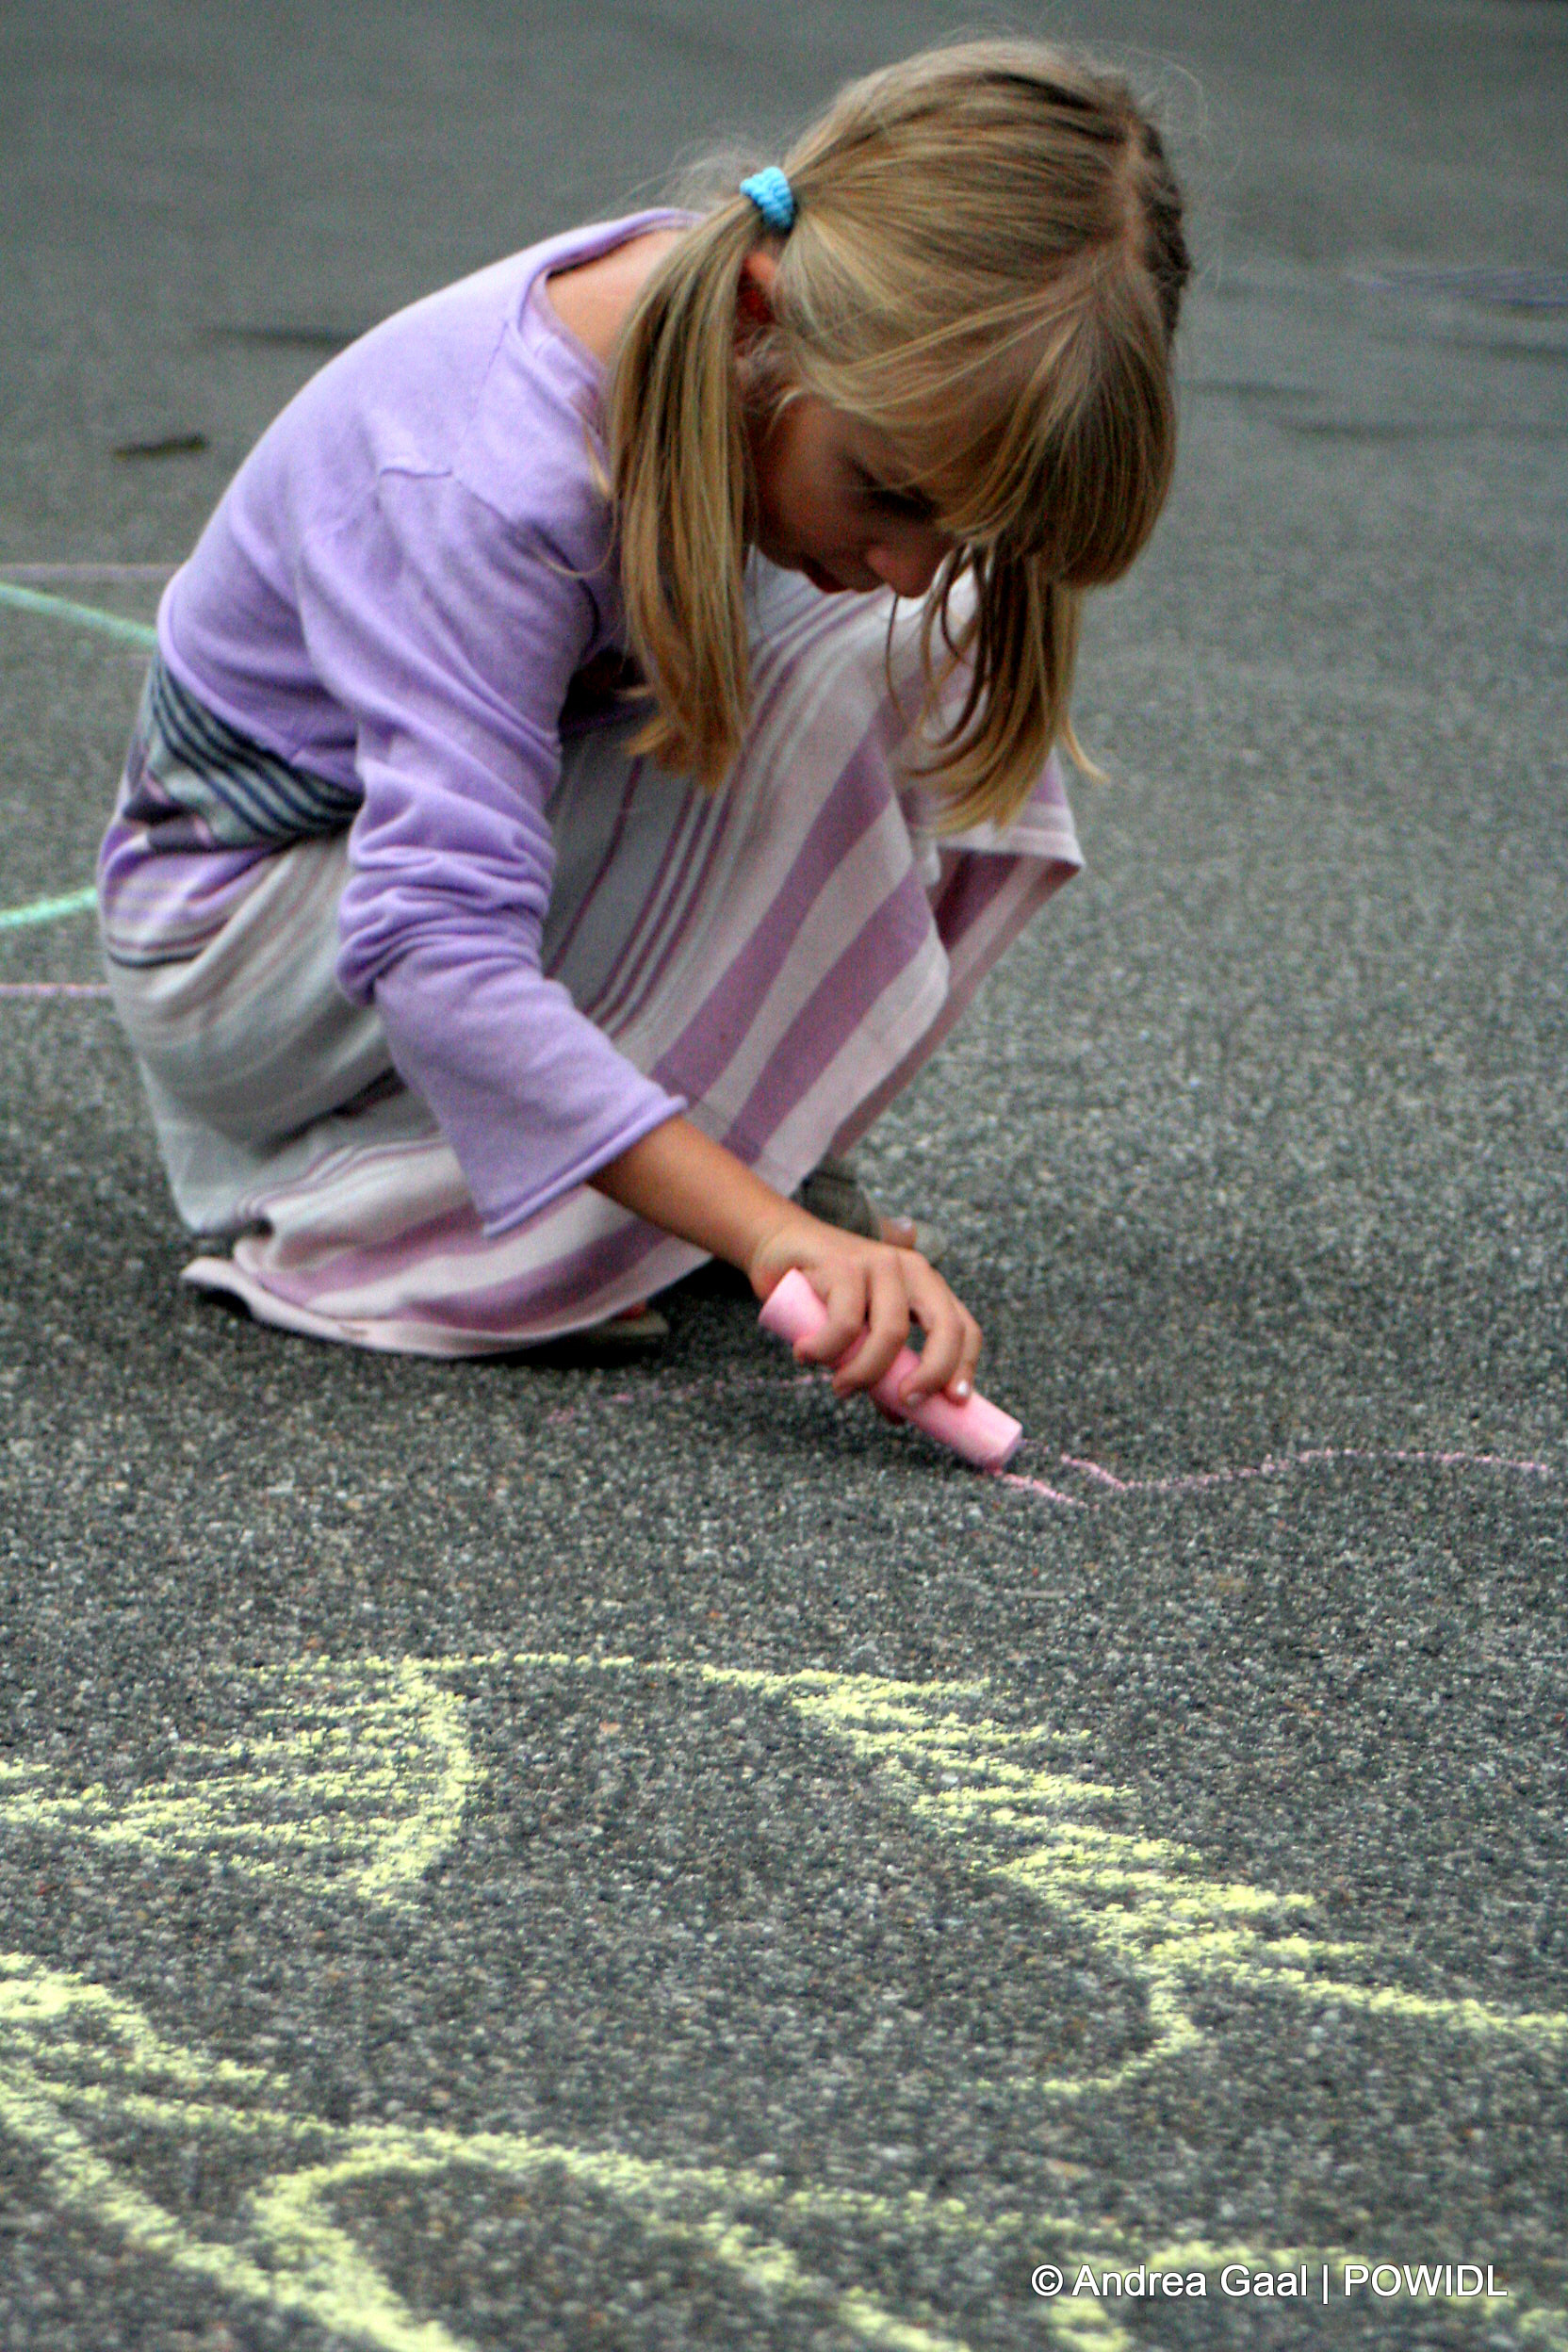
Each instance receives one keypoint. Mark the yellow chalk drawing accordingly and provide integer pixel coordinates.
(1142, 1900)
(69, 2050)
(357, 1773)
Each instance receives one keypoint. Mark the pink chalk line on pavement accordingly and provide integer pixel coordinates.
(1113, 1487)
(1039, 1486)
(1272, 1466)
(87, 571)
(52, 988)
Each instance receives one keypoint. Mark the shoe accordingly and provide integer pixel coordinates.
(636, 1333)
(833, 1192)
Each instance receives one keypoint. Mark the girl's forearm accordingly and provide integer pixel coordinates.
(682, 1180)
(677, 1178)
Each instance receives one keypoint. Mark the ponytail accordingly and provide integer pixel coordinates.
(679, 478)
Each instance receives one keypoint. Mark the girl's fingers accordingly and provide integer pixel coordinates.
(951, 1347)
(842, 1290)
(886, 1329)
(947, 1366)
(870, 1292)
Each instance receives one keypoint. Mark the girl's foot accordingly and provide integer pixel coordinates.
(833, 1192)
(632, 1331)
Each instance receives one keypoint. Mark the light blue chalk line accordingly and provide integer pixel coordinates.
(85, 616)
(48, 909)
(138, 633)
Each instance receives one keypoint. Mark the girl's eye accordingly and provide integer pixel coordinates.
(908, 506)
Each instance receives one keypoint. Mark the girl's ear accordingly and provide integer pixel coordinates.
(754, 303)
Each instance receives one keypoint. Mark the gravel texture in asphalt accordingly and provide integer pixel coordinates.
(546, 1853)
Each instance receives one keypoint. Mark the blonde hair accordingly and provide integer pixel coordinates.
(986, 267)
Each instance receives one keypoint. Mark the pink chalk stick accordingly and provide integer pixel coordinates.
(982, 1432)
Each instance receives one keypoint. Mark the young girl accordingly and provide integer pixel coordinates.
(482, 998)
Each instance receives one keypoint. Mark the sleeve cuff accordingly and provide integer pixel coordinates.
(537, 1198)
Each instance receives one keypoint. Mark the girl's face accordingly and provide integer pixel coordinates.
(830, 504)
(832, 498)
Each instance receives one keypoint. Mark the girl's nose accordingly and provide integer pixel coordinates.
(909, 566)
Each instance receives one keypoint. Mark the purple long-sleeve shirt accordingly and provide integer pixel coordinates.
(393, 592)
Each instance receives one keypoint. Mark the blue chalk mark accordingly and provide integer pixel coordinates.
(57, 608)
(48, 909)
(84, 615)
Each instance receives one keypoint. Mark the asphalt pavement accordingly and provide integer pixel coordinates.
(551, 1853)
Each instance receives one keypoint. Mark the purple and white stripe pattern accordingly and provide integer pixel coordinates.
(785, 953)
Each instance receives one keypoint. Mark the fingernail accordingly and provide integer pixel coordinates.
(960, 1388)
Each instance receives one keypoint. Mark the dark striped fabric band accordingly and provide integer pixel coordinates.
(196, 782)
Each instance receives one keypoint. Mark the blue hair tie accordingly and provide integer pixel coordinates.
(774, 198)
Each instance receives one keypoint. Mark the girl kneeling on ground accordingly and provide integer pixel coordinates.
(478, 998)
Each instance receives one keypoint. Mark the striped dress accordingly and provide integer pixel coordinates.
(785, 953)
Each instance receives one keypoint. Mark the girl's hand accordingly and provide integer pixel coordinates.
(872, 1291)
(680, 1179)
